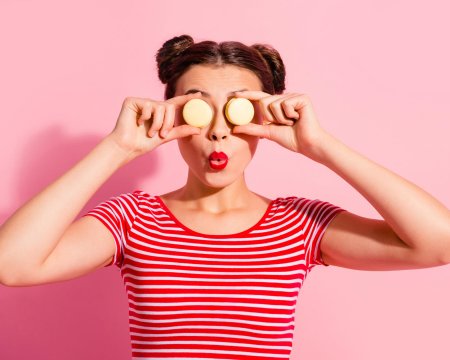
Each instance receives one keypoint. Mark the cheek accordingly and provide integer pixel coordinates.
(189, 148)
(248, 144)
(184, 145)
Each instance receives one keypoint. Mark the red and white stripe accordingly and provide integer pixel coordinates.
(199, 296)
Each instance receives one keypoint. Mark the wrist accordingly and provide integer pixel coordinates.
(330, 151)
(318, 148)
(117, 154)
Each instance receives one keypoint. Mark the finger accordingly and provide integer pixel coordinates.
(183, 99)
(278, 109)
(182, 131)
(146, 111)
(264, 100)
(289, 109)
(178, 102)
(300, 102)
(158, 116)
(253, 129)
(168, 121)
(266, 112)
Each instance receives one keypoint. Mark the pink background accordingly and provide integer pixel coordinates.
(378, 75)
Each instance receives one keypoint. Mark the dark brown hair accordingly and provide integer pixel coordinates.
(179, 53)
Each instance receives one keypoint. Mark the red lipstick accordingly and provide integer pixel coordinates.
(218, 160)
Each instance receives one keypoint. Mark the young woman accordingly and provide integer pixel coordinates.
(213, 270)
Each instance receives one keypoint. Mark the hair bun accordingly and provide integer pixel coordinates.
(273, 59)
(167, 54)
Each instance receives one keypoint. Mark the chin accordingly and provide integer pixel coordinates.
(219, 180)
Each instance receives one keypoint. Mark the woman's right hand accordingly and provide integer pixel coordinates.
(144, 124)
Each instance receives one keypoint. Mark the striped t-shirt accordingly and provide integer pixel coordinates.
(200, 296)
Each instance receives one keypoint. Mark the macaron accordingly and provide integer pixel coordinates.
(239, 111)
(197, 112)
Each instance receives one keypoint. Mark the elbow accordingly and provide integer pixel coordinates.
(15, 279)
(14, 274)
(6, 281)
(444, 255)
(10, 280)
(441, 242)
(446, 246)
(16, 282)
(7, 277)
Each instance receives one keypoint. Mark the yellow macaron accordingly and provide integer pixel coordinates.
(239, 111)
(197, 112)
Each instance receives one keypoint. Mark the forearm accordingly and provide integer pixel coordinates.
(33, 231)
(415, 216)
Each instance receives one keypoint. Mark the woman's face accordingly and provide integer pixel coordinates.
(217, 85)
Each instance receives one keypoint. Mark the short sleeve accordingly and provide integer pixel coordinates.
(118, 215)
(317, 215)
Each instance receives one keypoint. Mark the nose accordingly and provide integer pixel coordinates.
(219, 129)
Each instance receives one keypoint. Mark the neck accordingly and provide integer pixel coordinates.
(215, 200)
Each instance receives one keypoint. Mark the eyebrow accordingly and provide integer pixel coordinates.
(193, 91)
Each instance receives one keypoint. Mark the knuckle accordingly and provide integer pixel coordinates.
(265, 101)
(270, 116)
(169, 121)
(158, 118)
(147, 104)
(170, 107)
(127, 100)
(306, 97)
(287, 108)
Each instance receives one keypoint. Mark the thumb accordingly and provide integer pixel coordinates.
(262, 131)
(182, 131)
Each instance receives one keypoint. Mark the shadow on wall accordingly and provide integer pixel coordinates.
(84, 318)
(52, 152)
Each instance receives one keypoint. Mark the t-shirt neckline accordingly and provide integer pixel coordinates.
(193, 232)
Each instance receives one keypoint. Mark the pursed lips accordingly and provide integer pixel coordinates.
(218, 160)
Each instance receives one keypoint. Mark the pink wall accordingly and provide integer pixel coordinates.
(378, 75)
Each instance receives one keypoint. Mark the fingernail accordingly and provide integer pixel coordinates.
(152, 133)
(164, 133)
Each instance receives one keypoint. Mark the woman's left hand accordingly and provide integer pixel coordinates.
(287, 119)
